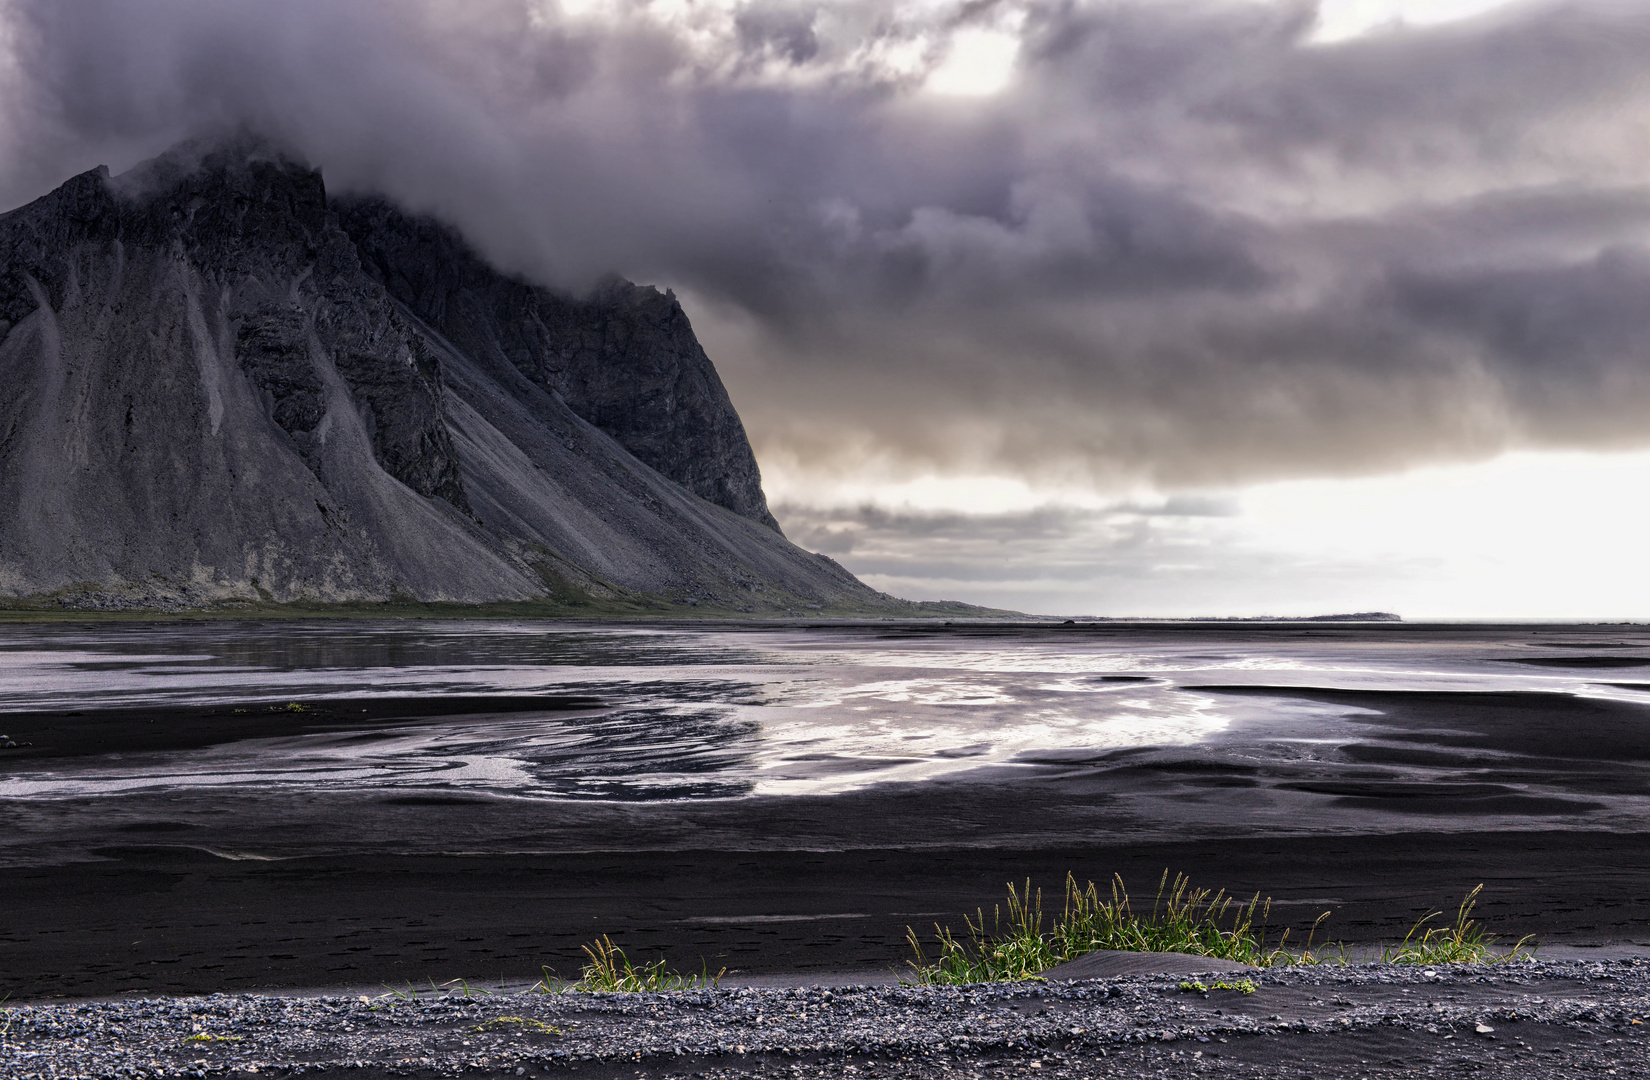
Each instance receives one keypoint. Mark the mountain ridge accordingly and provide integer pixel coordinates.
(212, 391)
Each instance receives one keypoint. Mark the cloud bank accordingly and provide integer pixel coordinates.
(1181, 245)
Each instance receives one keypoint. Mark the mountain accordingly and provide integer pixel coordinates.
(219, 386)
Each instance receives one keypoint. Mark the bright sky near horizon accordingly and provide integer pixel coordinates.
(1523, 536)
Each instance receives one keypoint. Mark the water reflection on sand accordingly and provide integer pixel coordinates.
(693, 712)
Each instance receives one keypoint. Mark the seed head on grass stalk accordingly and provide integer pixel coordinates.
(1307, 956)
(610, 970)
(1462, 942)
(1182, 919)
(1016, 949)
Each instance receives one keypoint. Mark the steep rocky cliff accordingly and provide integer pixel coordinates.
(624, 359)
(215, 384)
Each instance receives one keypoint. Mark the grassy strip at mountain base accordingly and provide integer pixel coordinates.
(1182, 920)
(640, 606)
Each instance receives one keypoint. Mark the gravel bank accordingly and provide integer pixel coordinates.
(1550, 1018)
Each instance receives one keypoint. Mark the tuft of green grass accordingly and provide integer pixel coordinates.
(1182, 919)
(1018, 948)
(1462, 942)
(611, 971)
(207, 1036)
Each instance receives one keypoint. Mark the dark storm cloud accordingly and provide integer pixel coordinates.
(1187, 244)
(842, 530)
(1559, 335)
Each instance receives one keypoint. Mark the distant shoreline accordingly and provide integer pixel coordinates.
(925, 611)
(929, 614)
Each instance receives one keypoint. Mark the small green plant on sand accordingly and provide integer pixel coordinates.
(398, 996)
(550, 983)
(610, 970)
(207, 1036)
(1462, 942)
(1242, 986)
(520, 1023)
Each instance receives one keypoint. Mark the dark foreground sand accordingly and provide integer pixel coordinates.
(1514, 1020)
(180, 921)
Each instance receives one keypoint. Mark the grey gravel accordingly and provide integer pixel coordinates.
(1565, 1018)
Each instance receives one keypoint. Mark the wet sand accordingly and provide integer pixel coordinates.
(52, 734)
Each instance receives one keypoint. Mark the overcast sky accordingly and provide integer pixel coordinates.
(1154, 307)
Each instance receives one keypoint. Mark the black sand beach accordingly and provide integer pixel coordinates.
(1399, 802)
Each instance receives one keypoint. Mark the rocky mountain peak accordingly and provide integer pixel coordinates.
(216, 381)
